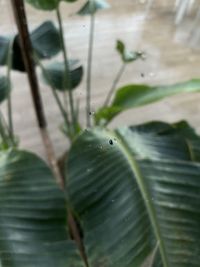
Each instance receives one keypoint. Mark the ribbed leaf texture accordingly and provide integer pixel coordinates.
(136, 189)
(33, 229)
(134, 192)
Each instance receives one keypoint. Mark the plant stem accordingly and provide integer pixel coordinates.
(114, 85)
(67, 69)
(89, 69)
(27, 52)
(2, 131)
(61, 108)
(9, 102)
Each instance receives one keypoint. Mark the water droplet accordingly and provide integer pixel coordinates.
(111, 142)
(91, 113)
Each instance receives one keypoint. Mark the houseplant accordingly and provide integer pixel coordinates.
(133, 192)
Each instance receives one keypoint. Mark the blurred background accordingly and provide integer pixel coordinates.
(166, 30)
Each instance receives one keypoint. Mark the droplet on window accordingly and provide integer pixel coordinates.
(111, 142)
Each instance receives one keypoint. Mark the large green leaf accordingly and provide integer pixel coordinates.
(134, 188)
(4, 88)
(47, 4)
(132, 96)
(166, 130)
(92, 6)
(56, 76)
(33, 230)
(46, 40)
(4, 48)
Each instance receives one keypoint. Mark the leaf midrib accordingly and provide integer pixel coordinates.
(146, 196)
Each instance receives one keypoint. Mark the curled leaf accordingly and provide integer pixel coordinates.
(126, 55)
(56, 76)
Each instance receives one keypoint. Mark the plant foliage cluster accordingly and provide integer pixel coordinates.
(132, 193)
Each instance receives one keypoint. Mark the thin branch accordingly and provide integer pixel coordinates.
(9, 102)
(114, 85)
(3, 134)
(76, 236)
(53, 89)
(27, 52)
(89, 69)
(20, 16)
(67, 68)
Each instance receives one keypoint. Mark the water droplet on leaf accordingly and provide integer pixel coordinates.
(111, 142)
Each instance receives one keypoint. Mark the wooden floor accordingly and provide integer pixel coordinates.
(169, 58)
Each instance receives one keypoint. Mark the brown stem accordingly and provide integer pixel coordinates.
(76, 236)
(27, 52)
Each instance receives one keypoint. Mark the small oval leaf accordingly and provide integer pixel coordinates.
(46, 40)
(47, 4)
(57, 77)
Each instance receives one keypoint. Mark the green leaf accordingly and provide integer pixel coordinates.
(4, 88)
(4, 48)
(92, 6)
(126, 55)
(135, 95)
(46, 40)
(57, 76)
(184, 129)
(182, 134)
(47, 4)
(32, 215)
(130, 196)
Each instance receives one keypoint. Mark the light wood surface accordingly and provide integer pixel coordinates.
(169, 58)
